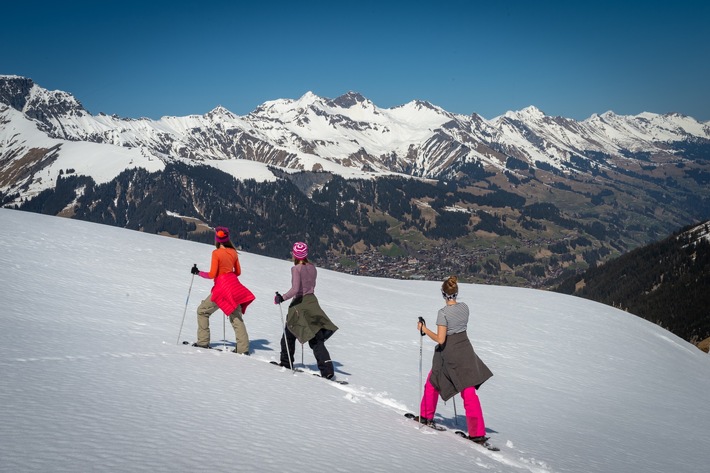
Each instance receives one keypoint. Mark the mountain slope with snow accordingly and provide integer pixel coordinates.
(541, 197)
(36, 160)
(353, 137)
(94, 378)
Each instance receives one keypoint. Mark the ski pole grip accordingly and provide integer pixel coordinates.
(421, 320)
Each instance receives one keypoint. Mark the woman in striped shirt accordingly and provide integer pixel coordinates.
(455, 367)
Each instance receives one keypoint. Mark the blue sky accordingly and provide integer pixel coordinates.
(568, 58)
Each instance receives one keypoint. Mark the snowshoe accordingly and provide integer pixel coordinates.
(424, 421)
(482, 441)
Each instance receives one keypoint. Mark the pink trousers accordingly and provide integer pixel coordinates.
(471, 405)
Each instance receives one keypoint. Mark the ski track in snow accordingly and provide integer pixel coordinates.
(357, 394)
(352, 393)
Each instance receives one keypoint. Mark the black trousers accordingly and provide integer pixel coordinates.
(317, 344)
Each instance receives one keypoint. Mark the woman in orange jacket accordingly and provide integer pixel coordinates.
(227, 294)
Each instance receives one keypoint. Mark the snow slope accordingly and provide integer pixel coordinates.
(93, 377)
(103, 162)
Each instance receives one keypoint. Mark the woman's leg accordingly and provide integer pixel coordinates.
(427, 408)
(474, 413)
(240, 331)
(291, 339)
(204, 310)
(325, 365)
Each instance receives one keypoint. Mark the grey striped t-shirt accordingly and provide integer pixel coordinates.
(454, 317)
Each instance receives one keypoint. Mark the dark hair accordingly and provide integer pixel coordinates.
(226, 244)
(300, 260)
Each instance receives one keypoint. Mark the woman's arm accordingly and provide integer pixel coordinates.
(295, 283)
(439, 336)
(214, 266)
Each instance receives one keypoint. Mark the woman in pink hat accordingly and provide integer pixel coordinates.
(227, 294)
(305, 321)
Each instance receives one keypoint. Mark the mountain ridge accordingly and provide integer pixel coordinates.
(352, 132)
(523, 199)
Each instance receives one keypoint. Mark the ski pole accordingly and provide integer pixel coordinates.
(302, 363)
(224, 333)
(456, 416)
(421, 344)
(185, 311)
(283, 324)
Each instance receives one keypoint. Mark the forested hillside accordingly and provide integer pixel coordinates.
(667, 283)
(391, 226)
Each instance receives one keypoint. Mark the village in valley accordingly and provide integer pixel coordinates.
(482, 265)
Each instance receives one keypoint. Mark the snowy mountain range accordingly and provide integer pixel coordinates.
(348, 135)
(95, 377)
(357, 178)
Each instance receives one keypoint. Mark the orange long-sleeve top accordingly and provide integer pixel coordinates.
(224, 260)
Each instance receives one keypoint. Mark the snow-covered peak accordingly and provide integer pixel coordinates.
(528, 113)
(421, 113)
(307, 99)
(421, 105)
(351, 99)
(38, 94)
(351, 133)
(286, 109)
(601, 117)
(272, 108)
(220, 112)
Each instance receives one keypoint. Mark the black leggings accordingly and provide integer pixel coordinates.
(317, 344)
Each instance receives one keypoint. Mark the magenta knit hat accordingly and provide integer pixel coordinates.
(300, 250)
(221, 235)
